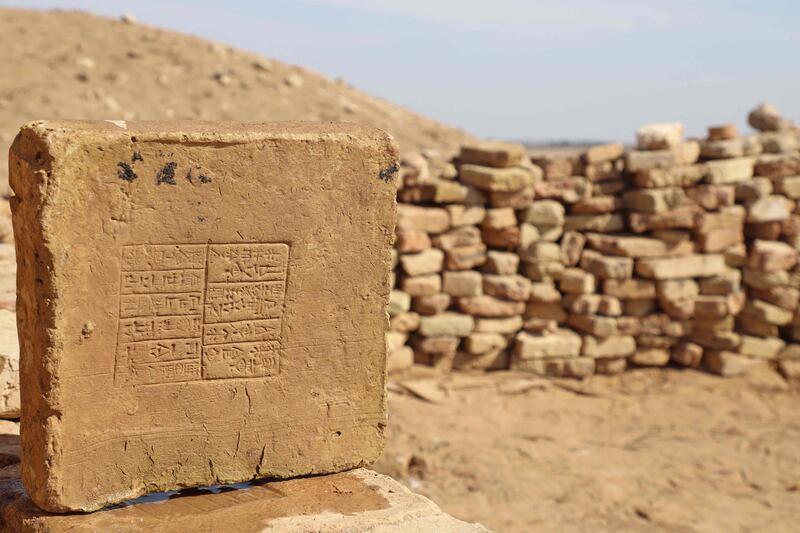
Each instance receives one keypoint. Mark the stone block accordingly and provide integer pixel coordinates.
(404, 322)
(761, 348)
(766, 117)
(499, 218)
(571, 247)
(608, 347)
(441, 347)
(659, 136)
(670, 176)
(399, 302)
(716, 340)
(465, 257)
(779, 142)
(479, 343)
(446, 324)
(520, 199)
(563, 343)
(413, 240)
(492, 360)
(778, 166)
(639, 307)
(687, 354)
(724, 171)
(766, 312)
(133, 241)
(788, 186)
(725, 283)
(462, 236)
(544, 293)
(603, 152)
(558, 165)
(630, 289)
(575, 280)
(752, 190)
(597, 205)
(430, 219)
(604, 171)
(593, 304)
(567, 190)
(489, 307)
(430, 261)
(506, 238)
(545, 213)
(510, 287)
(436, 191)
(599, 326)
(654, 200)
(546, 311)
(358, 500)
(722, 149)
(690, 266)
(9, 365)
(422, 285)
(770, 256)
(773, 208)
(712, 197)
(728, 364)
(606, 267)
(502, 263)
(723, 132)
(399, 359)
(605, 223)
(784, 297)
(610, 366)
(497, 179)
(431, 304)
(683, 217)
(465, 215)
(503, 326)
(650, 357)
(493, 154)
(634, 246)
(462, 283)
(578, 367)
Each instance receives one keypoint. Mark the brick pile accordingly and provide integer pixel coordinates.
(567, 264)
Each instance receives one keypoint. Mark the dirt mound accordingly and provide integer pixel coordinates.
(59, 64)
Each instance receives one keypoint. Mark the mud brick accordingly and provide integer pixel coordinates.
(501, 263)
(422, 285)
(546, 311)
(678, 218)
(567, 190)
(479, 343)
(752, 190)
(490, 307)
(650, 357)
(788, 186)
(593, 304)
(493, 154)
(681, 309)
(634, 246)
(749, 325)
(521, 199)
(462, 236)
(603, 152)
(728, 364)
(716, 340)
(654, 200)
(446, 324)
(544, 293)
(766, 312)
(599, 326)
(414, 240)
(465, 257)
(399, 302)
(778, 166)
(722, 149)
(575, 280)
(404, 322)
(506, 238)
(610, 366)
(540, 325)
(503, 326)
(616, 346)
(723, 132)
(630, 289)
(541, 252)
(597, 205)
(563, 343)
(712, 197)
(661, 324)
(430, 219)
(571, 247)
(605, 223)
(713, 324)
(462, 283)
(606, 267)
(427, 262)
(431, 304)
(724, 171)
(690, 266)
(770, 256)
(685, 153)
(497, 179)
(545, 213)
(773, 208)
(465, 215)
(167, 224)
(687, 354)
(784, 297)
(655, 341)
(604, 171)
(671, 176)
(677, 289)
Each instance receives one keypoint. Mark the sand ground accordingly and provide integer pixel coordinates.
(649, 450)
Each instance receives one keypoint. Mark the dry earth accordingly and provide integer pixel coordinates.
(59, 64)
(651, 450)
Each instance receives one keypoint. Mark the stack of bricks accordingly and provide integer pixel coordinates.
(567, 264)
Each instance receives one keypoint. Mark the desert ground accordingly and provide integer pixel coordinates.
(664, 450)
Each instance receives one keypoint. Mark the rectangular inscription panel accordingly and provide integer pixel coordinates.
(194, 311)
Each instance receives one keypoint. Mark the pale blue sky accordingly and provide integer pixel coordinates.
(574, 69)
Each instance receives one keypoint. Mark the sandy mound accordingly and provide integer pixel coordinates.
(60, 64)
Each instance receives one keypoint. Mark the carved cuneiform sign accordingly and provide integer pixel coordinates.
(200, 311)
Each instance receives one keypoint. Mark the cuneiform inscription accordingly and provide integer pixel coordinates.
(200, 311)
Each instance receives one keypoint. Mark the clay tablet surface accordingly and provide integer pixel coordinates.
(199, 303)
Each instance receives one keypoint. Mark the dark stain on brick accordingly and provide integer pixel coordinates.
(387, 174)
(125, 172)
(167, 174)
